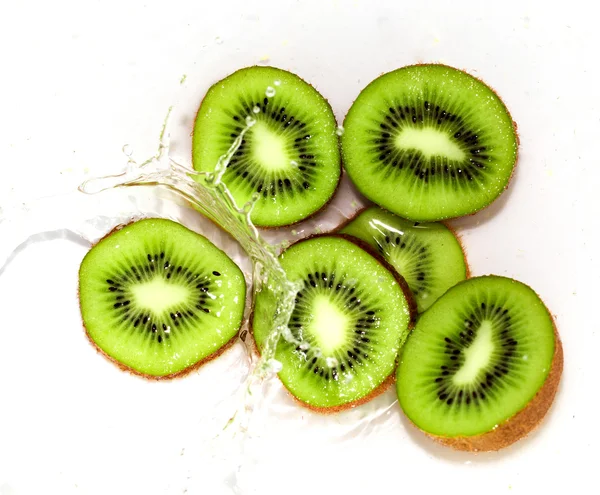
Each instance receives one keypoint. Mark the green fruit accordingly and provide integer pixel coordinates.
(350, 319)
(159, 299)
(481, 366)
(427, 255)
(429, 142)
(290, 157)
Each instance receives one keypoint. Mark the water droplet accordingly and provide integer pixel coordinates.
(331, 362)
(256, 109)
(127, 150)
(305, 346)
(219, 40)
(274, 365)
(348, 378)
(247, 208)
(340, 130)
(270, 92)
(293, 163)
(277, 83)
(525, 357)
(250, 121)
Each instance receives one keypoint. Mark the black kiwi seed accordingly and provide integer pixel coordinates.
(145, 271)
(492, 377)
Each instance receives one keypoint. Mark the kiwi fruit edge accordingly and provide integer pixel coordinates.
(514, 125)
(180, 374)
(521, 423)
(339, 147)
(413, 316)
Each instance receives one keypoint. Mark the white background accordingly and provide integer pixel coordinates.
(81, 79)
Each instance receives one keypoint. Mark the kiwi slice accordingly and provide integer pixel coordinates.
(429, 142)
(350, 319)
(159, 299)
(290, 157)
(427, 255)
(482, 365)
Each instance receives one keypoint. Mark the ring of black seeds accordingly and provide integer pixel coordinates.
(354, 300)
(158, 265)
(392, 161)
(245, 170)
(421, 263)
(489, 381)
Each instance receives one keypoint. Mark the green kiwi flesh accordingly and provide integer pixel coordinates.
(429, 142)
(290, 157)
(351, 315)
(158, 298)
(427, 255)
(476, 359)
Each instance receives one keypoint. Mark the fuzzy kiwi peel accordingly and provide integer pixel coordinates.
(523, 422)
(501, 362)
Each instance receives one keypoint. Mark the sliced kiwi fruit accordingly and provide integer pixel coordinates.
(427, 255)
(349, 320)
(482, 365)
(290, 156)
(159, 299)
(429, 142)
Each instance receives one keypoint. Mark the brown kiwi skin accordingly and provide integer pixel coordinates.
(519, 425)
(335, 190)
(131, 371)
(412, 306)
(514, 125)
(359, 212)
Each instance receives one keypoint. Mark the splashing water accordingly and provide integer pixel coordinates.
(209, 195)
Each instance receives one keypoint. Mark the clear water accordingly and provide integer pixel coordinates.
(63, 216)
(206, 192)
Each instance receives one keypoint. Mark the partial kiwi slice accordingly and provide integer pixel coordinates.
(159, 299)
(429, 142)
(427, 255)
(290, 156)
(350, 319)
(482, 366)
